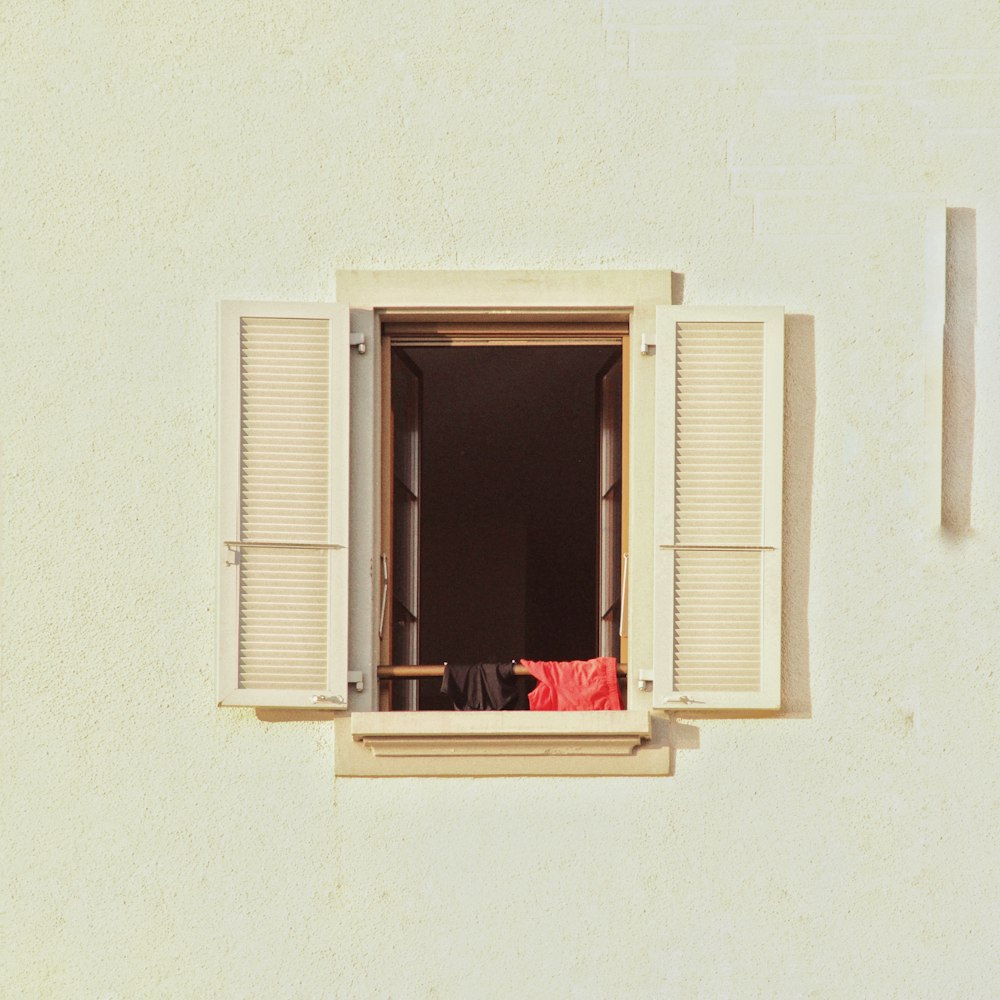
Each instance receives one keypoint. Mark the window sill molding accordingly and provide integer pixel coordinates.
(499, 743)
(469, 734)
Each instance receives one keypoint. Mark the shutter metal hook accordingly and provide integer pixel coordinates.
(623, 600)
(385, 593)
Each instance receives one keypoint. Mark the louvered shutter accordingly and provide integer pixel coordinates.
(717, 561)
(284, 414)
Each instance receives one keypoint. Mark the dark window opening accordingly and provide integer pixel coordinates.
(506, 507)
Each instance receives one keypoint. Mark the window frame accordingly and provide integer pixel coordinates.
(609, 330)
(371, 743)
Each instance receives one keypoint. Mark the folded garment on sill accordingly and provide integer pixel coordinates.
(574, 685)
(481, 686)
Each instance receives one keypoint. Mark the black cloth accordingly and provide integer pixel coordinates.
(481, 686)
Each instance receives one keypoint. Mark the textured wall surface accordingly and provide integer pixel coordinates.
(160, 157)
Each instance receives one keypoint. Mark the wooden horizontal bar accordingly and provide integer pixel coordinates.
(574, 339)
(388, 672)
(511, 316)
(509, 329)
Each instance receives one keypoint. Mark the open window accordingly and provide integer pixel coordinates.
(502, 486)
(510, 464)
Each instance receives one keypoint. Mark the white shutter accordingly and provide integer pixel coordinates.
(717, 536)
(284, 411)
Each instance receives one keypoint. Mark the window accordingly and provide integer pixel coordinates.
(678, 547)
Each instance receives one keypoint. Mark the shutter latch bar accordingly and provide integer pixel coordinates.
(719, 548)
(333, 699)
(236, 546)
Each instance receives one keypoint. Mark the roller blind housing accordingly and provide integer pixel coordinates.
(717, 527)
(284, 416)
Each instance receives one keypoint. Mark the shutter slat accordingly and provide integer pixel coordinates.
(275, 633)
(285, 430)
(719, 430)
(719, 421)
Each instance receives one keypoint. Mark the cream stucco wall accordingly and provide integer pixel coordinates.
(158, 158)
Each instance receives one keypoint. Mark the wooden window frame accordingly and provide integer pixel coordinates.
(594, 328)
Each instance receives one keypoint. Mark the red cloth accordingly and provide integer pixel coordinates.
(574, 685)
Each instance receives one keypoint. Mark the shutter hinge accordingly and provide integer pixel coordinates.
(645, 679)
(647, 343)
(355, 677)
(333, 699)
(358, 341)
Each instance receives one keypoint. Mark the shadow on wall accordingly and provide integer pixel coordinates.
(800, 421)
(676, 288)
(958, 387)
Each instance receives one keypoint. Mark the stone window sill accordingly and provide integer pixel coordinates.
(371, 744)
